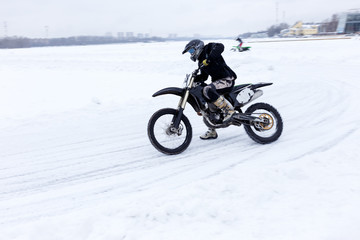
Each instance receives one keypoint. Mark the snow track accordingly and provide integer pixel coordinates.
(77, 155)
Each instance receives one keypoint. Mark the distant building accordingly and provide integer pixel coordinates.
(120, 35)
(349, 22)
(129, 35)
(301, 29)
(172, 36)
(108, 34)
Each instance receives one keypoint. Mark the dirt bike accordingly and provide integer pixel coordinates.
(170, 131)
(239, 49)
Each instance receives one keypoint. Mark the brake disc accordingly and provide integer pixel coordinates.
(267, 121)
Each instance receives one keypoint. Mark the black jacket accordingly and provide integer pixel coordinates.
(217, 67)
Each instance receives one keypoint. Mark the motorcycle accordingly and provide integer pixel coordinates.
(239, 49)
(170, 131)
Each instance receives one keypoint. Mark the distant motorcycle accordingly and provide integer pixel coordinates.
(239, 49)
(170, 131)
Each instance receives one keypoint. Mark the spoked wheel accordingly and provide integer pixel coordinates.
(269, 126)
(162, 134)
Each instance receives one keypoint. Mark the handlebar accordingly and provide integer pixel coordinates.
(196, 71)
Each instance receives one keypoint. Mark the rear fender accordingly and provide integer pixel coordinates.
(259, 85)
(178, 92)
(245, 94)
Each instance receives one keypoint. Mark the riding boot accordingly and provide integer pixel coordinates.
(210, 134)
(225, 107)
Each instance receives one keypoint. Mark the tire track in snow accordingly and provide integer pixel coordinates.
(80, 169)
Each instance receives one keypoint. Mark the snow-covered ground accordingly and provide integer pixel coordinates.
(76, 162)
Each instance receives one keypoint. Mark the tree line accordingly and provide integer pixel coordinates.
(327, 26)
(22, 42)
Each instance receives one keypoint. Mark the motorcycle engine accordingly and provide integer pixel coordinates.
(214, 114)
(215, 118)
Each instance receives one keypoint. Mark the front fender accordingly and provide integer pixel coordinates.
(170, 90)
(178, 92)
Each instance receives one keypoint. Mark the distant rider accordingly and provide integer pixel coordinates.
(240, 44)
(222, 77)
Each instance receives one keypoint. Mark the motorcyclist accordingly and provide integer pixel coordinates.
(240, 44)
(222, 77)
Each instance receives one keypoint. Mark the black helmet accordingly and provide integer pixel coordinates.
(194, 47)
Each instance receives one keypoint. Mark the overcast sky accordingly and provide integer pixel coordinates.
(64, 18)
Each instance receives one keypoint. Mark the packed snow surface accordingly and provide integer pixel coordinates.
(76, 162)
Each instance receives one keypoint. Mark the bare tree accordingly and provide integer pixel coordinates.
(276, 29)
(333, 23)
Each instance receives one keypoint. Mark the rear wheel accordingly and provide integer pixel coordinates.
(269, 126)
(162, 134)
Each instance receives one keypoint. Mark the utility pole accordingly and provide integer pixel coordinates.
(283, 17)
(46, 31)
(277, 13)
(5, 29)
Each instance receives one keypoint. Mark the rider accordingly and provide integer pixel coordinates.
(222, 77)
(240, 43)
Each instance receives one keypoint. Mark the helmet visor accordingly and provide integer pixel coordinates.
(191, 50)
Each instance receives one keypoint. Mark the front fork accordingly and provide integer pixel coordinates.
(181, 106)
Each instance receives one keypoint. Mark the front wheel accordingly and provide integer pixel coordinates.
(164, 136)
(268, 126)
